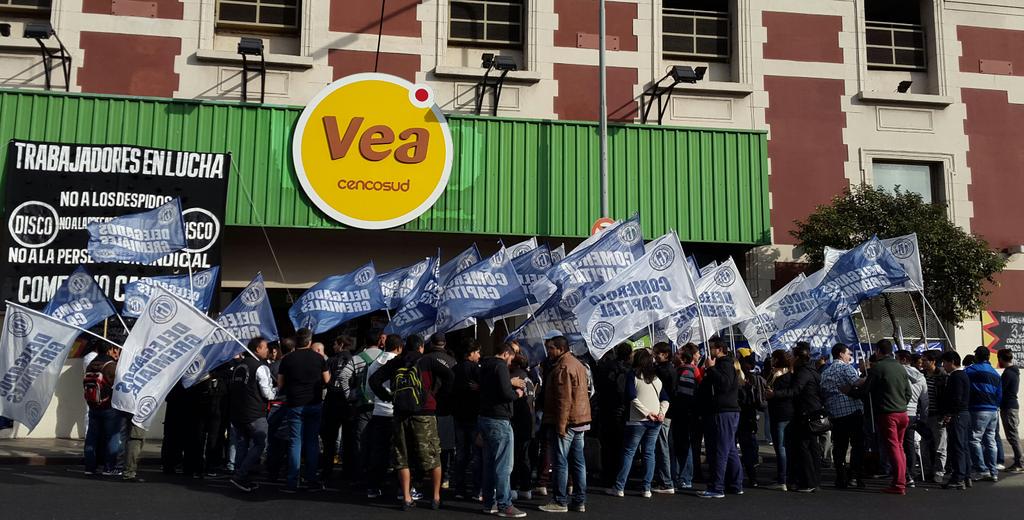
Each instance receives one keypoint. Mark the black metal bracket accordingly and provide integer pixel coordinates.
(261, 69)
(495, 83)
(656, 93)
(60, 54)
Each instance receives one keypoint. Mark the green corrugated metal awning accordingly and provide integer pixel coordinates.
(510, 177)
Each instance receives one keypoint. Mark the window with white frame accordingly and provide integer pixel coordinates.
(26, 7)
(924, 179)
(486, 23)
(258, 15)
(696, 30)
(894, 35)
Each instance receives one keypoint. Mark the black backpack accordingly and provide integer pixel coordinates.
(408, 394)
(755, 393)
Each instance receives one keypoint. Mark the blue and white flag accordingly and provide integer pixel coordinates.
(819, 329)
(760, 329)
(488, 288)
(33, 347)
(558, 254)
(907, 253)
(707, 269)
(531, 268)
(337, 299)
(419, 312)
(140, 238)
(691, 262)
(389, 283)
(522, 248)
(247, 317)
(80, 301)
(162, 344)
(723, 301)
(199, 292)
(464, 259)
(654, 287)
(861, 273)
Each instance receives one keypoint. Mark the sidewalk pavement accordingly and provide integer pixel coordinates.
(58, 452)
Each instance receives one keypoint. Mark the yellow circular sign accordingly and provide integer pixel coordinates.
(373, 151)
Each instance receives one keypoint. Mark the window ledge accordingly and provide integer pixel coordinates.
(718, 87)
(895, 98)
(25, 44)
(518, 76)
(273, 60)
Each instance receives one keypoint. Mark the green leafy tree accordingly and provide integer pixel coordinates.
(958, 266)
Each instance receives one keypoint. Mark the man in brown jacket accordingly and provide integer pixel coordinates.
(567, 413)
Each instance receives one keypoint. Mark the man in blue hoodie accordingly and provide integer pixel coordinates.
(986, 395)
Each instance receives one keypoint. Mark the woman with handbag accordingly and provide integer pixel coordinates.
(809, 421)
(780, 412)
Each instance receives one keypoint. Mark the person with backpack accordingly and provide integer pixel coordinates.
(498, 392)
(360, 404)
(683, 411)
(415, 380)
(753, 401)
(846, 415)
(337, 411)
(377, 435)
(105, 437)
(437, 350)
(250, 389)
(302, 375)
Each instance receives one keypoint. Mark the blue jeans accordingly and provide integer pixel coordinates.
(647, 434)
(682, 452)
(303, 423)
(983, 441)
(723, 457)
(779, 443)
(250, 441)
(663, 452)
(568, 457)
(106, 437)
(498, 458)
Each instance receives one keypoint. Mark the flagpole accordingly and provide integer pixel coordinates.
(938, 320)
(191, 291)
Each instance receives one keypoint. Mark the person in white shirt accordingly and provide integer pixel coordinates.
(647, 408)
(377, 434)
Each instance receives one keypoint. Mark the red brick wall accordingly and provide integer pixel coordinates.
(169, 9)
(580, 16)
(363, 16)
(996, 158)
(803, 37)
(128, 64)
(578, 96)
(805, 147)
(1007, 295)
(982, 43)
(345, 62)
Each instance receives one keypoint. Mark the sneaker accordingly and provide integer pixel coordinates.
(953, 485)
(242, 486)
(664, 490)
(408, 505)
(738, 492)
(778, 486)
(578, 508)
(111, 473)
(806, 490)
(976, 476)
(511, 512)
(490, 510)
(540, 491)
(526, 495)
(615, 492)
(894, 491)
(992, 478)
(1016, 469)
(911, 484)
(289, 490)
(646, 493)
(1000, 467)
(684, 486)
(435, 505)
(710, 494)
(553, 507)
(132, 478)
(413, 494)
(373, 493)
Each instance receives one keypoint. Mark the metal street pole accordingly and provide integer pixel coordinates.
(603, 117)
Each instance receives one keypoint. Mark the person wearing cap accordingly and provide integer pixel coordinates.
(567, 413)
(437, 351)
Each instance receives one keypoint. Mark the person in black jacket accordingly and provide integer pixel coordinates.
(498, 392)
(720, 391)
(802, 446)
(663, 452)
(610, 385)
(523, 425)
(249, 390)
(780, 412)
(1009, 408)
(954, 407)
(465, 410)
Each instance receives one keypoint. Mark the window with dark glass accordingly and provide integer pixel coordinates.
(490, 23)
(894, 35)
(696, 30)
(266, 15)
(28, 7)
(924, 179)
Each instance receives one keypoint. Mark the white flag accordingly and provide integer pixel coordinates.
(522, 248)
(166, 338)
(32, 352)
(653, 287)
(760, 329)
(723, 301)
(907, 253)
(704, 271)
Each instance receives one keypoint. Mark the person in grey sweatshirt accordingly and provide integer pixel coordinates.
(917, 411)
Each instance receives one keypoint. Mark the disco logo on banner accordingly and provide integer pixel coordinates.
(202, 229)
(33, 224)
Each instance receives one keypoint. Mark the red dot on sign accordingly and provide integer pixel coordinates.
(422, 95)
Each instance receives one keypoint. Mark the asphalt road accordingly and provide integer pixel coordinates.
(61, 492)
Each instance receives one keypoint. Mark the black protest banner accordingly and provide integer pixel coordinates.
(53, 190)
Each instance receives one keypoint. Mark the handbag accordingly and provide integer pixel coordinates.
(819, 422)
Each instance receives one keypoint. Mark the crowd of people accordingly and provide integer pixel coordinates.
(424, 422)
